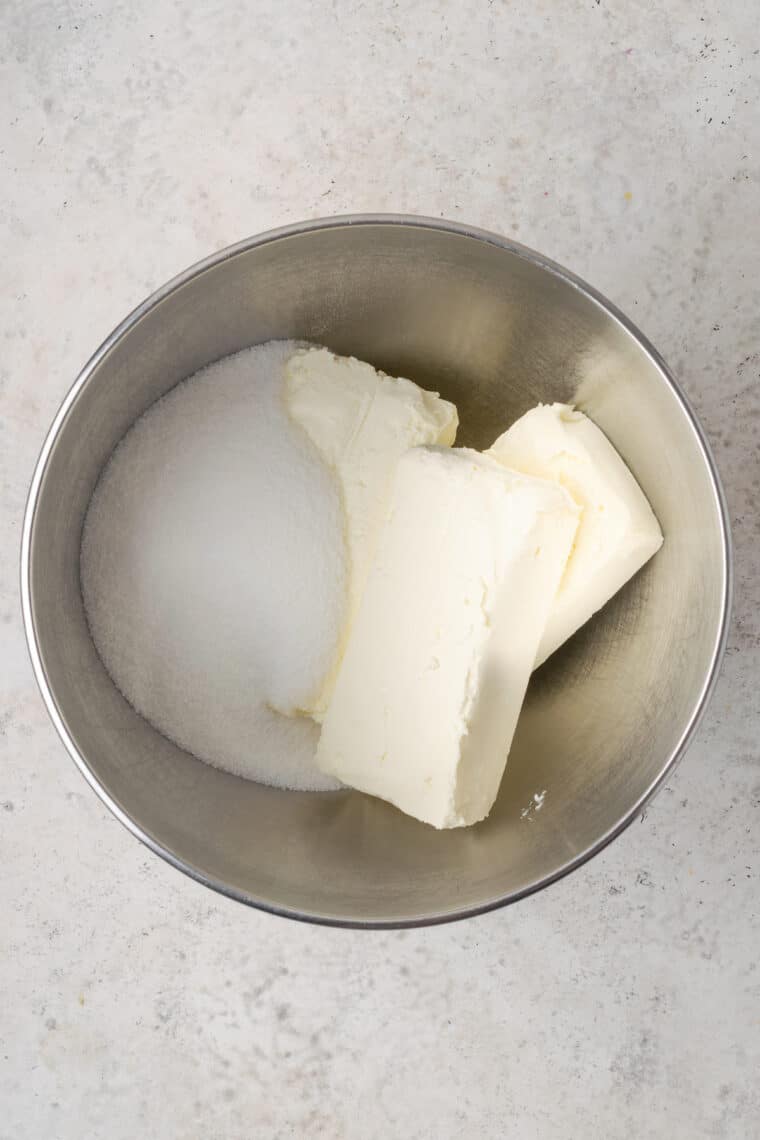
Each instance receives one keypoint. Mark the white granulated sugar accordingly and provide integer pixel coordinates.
(213, 570)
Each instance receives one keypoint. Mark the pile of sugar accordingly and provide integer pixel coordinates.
(213, 570)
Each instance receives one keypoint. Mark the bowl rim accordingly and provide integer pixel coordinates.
(398, 220)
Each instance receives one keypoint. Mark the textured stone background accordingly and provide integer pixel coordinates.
(620, 139)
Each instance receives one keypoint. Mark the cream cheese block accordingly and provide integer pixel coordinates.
(361, 423)
(617, 532)
(443, 643)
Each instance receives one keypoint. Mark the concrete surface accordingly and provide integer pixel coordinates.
(620, 139)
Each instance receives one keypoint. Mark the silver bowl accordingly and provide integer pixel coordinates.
(496, 328)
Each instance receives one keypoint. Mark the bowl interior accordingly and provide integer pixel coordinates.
(493, 329)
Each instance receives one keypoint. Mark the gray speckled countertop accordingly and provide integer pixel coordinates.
(621, 140)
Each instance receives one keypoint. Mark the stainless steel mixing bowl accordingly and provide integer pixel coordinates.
(496, 328)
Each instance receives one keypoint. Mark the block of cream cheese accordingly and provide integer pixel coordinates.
(361, 422)
(618, 531)
(434, 674)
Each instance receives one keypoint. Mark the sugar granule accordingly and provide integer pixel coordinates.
(213, 570)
